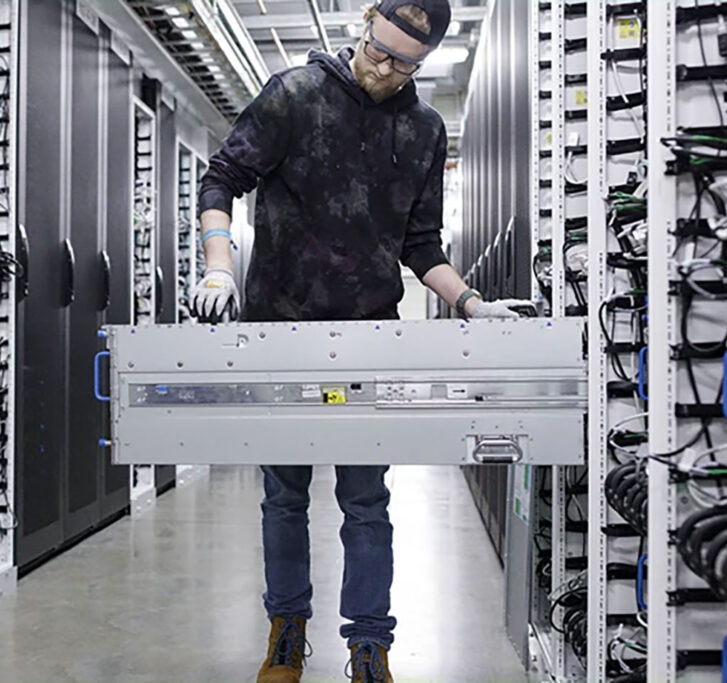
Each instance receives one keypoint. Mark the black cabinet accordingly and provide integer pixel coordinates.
(41, 323)
(82, 281)
(65, 484)
(116, 478)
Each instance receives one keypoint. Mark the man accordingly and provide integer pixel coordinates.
(348, 164)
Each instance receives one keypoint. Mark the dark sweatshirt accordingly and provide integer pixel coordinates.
(347, 188)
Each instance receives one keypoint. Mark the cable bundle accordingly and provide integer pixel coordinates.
(702, 543)
(574, 626)
(627, 492)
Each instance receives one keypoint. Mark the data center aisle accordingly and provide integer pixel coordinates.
(175, 596)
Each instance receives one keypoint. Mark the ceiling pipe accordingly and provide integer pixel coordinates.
(316, 12)
(332, 19)
(281, 48)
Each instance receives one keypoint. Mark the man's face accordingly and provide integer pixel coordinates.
(381, 80)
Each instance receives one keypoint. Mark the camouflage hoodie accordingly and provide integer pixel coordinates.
(347, 188)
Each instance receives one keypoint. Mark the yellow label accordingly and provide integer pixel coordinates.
(334, 394)
(628, 29)
(581, 98)
(549, 138)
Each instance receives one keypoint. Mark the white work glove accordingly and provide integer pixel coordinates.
(497, 309)
(215, 297)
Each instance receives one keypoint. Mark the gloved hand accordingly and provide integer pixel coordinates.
(215, 297)
(497, 309)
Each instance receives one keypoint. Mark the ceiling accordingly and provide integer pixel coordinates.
(230, 47)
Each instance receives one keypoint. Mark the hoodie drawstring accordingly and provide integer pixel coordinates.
(394, 155)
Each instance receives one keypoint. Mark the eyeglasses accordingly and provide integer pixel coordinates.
(378, 53)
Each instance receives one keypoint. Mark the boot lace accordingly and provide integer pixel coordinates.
(289, 647)
(366, 664)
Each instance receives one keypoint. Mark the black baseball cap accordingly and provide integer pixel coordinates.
(438, 11)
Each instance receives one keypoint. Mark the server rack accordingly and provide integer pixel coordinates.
(200, 167)
(11, 270)
(496, 231)
(185, 243)
(684, 373)
(145, 150)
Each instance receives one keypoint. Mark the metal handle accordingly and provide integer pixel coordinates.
(97, 376)
(642, 373)
(159, 290)
(505, 443)
(23, 248)
(640, 582)
(70, 264)
(105, 280)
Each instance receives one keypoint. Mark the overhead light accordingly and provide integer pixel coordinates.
(454, 28)
(197, 45)
(352, 30)
(206, 59)
(301, 59)
(214, 68)
(173, 11)
(190, 35)
(314, 29)
(181, 22)
(448, 55)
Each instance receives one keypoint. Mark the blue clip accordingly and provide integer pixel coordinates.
(104, 443)
(724, 660)
(642, 373)
(640, 582)
(97, 376)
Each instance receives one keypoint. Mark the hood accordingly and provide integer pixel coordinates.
(339, 67)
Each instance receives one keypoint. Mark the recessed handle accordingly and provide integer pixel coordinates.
(507, 451)
(23, 251)
(69, 262)
(105, 280)
(159, 290)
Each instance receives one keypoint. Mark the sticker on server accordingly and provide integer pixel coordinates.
(628, 29)
(310, 391)
(521, 493)
(334, 395)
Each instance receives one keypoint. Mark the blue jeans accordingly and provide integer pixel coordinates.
(366, 534)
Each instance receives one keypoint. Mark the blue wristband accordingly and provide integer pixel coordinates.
(219, 233)
(216, 233)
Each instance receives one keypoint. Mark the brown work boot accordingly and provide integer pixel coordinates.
(286, 651)
(369, 663)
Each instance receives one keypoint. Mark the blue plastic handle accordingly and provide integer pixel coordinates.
(724, 660)
(640, 582)
(724, 384)
(97, 376)
(642, 373)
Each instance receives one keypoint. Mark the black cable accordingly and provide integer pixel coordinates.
(704, 61)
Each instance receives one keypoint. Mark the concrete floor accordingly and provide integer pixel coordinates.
(174, 597)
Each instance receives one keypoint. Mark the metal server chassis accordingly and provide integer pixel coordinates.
(396, 392)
